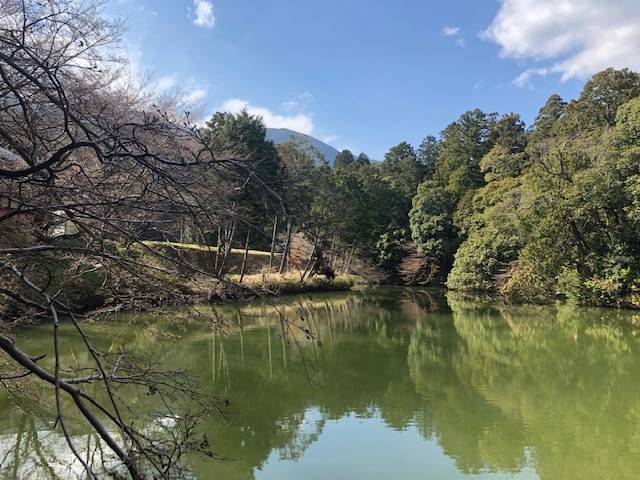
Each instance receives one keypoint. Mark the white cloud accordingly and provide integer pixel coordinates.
(165, 84)
(193, 97)
(187, 92)
(132, 72)
(455, 33)
(302, 123)
(137, 77)
(204, 14)
(524, 79)
(450, 31)
(575, 38)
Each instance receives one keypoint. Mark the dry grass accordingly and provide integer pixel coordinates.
(289, 283)
(204, 248)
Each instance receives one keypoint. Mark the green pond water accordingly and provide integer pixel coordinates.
(403, 384)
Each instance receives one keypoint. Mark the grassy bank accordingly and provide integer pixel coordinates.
(89, 286)
(87, 293)
(256, 281)
(289, 283)
(206, 257)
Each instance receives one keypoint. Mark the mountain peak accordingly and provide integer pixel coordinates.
(282, 135)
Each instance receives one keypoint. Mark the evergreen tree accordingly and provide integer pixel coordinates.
(344, 159)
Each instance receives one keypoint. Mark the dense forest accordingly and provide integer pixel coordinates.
(532, 213)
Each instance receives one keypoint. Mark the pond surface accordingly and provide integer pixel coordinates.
(405, 383)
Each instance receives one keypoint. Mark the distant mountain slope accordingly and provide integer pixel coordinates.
(281, 135)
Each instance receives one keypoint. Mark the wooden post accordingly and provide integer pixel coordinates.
(246, 255)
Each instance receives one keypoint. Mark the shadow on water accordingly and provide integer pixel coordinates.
(405, 382)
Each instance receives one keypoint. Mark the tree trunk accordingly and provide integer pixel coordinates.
(273, 242)
(311, 262)
(246, 255)
(218, 248)
(285, 255)
(349, 260)
(343, 259)
(227, 247)
(332, 254)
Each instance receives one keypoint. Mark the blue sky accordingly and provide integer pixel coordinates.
(366, 75)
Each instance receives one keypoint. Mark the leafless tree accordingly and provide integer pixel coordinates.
(90, 168)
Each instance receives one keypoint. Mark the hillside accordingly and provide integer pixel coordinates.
(281, 135)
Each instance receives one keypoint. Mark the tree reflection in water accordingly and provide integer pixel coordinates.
(501, 390)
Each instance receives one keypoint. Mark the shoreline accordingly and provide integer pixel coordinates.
(198, 291)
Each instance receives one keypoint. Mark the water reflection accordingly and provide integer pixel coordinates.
(406, 383)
